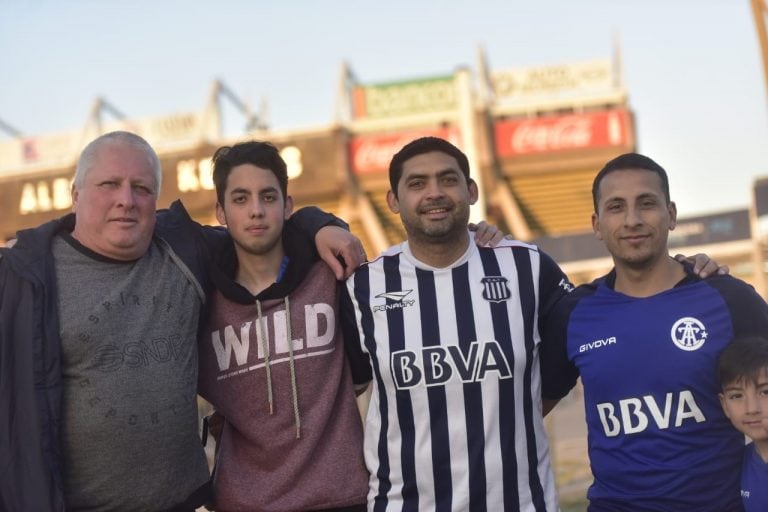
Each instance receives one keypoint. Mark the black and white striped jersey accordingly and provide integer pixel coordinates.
(455, 419)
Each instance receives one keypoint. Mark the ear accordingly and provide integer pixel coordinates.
(473, 192)
(288, 207)
(392, 202)
(221, 216)
(75, 194)
(672, 209)
(596, 226)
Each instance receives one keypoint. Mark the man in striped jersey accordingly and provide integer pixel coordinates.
(452, 333)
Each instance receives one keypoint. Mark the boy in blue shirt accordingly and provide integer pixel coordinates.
(743, 374)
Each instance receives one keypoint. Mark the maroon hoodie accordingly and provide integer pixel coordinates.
(307, 454)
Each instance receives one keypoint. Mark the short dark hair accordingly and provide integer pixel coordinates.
(419, 147)
(258, 153)
(744, 358)
(630, 161)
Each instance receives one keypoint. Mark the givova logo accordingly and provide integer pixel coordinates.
(689, 334)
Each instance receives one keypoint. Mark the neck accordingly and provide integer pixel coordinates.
(257, 272)
(439, 253)
(648, 280)
(762, 449)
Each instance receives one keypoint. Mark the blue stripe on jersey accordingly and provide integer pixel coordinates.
(473, 397)
(506, 388)
(438, 409)
(396, 326)
(362, 293)
(528, 305)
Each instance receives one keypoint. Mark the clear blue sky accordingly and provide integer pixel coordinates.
(692, 68)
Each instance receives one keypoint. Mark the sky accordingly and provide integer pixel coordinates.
(692, 68)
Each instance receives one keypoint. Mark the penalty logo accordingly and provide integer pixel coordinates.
(395, 300)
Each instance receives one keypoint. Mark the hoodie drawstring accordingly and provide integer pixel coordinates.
(294, 388)
(291, 364)
(265, 349)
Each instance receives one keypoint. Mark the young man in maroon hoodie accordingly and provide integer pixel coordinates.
(272, 357)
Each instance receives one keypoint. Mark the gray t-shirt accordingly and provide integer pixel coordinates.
(129, 367)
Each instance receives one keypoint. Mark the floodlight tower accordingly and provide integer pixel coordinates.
(760, 13)
(758, 211)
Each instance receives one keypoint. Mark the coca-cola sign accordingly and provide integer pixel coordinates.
(563, 133)
(373, 153)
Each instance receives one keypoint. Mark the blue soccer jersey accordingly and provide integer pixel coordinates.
(455, 421)
(658, 439)
(754, 481)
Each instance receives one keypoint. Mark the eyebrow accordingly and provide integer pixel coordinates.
(645, 195)
(440, 174)
(242, 190)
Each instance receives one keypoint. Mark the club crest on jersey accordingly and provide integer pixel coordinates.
(395, 300)
(689, 333)
(496, 288)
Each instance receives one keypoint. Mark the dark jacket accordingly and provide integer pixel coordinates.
(30, 350)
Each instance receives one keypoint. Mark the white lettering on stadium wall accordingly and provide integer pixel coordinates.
(193, 175)
(45, 196)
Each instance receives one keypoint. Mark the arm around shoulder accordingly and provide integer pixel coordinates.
(359, 360)
(749, 311)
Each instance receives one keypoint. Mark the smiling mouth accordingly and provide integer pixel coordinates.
(435, 210)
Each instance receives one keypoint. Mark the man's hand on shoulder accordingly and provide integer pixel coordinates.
(703, 265)
(340, 250)
(487, 235)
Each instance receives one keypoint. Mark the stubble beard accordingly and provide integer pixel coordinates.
(447, 232)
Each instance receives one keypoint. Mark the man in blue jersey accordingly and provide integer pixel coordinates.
(452, 332)
(645, 340)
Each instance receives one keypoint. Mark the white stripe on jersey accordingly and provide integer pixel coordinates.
(510, 317)
(458, 438)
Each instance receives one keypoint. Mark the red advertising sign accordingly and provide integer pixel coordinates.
(372, 153)
(561, 133)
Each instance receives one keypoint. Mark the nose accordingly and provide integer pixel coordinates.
(126, 196)
(752, 403)
(632, 217)
(257, 208)
(433, 189)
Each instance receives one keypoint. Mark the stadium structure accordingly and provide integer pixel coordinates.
(535, 138)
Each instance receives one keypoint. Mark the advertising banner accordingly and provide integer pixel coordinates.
(553, 134)
(372, 153)
(394, 99)
(63, 148)
(541, 83)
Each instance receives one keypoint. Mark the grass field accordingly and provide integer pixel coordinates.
(573, 506)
